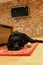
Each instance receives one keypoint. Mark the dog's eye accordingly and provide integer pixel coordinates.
(14, 41)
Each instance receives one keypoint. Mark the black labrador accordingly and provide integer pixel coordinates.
(17, 40)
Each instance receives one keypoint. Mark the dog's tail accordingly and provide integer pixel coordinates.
(40, 41)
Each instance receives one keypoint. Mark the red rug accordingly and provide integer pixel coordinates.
(23, 52)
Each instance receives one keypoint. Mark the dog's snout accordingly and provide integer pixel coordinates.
(16, 48)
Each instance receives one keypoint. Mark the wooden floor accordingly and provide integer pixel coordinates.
(35, 59)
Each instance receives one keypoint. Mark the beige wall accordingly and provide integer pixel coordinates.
(31, 25)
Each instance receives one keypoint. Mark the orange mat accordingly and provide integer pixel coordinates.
(23, 52)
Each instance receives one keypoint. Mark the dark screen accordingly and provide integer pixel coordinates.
(19, 11)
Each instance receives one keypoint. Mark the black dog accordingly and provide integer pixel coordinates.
(17, 40)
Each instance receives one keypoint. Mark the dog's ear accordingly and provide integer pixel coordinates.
(9, 44)
(11, 35)
(23, 42)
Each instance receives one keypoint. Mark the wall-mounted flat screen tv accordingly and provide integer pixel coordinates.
(19, 11)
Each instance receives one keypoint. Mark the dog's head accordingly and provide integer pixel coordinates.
(15, 43)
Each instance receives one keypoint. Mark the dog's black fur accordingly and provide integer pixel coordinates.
(17, 40)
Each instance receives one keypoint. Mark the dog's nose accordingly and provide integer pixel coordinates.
(16, 48)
